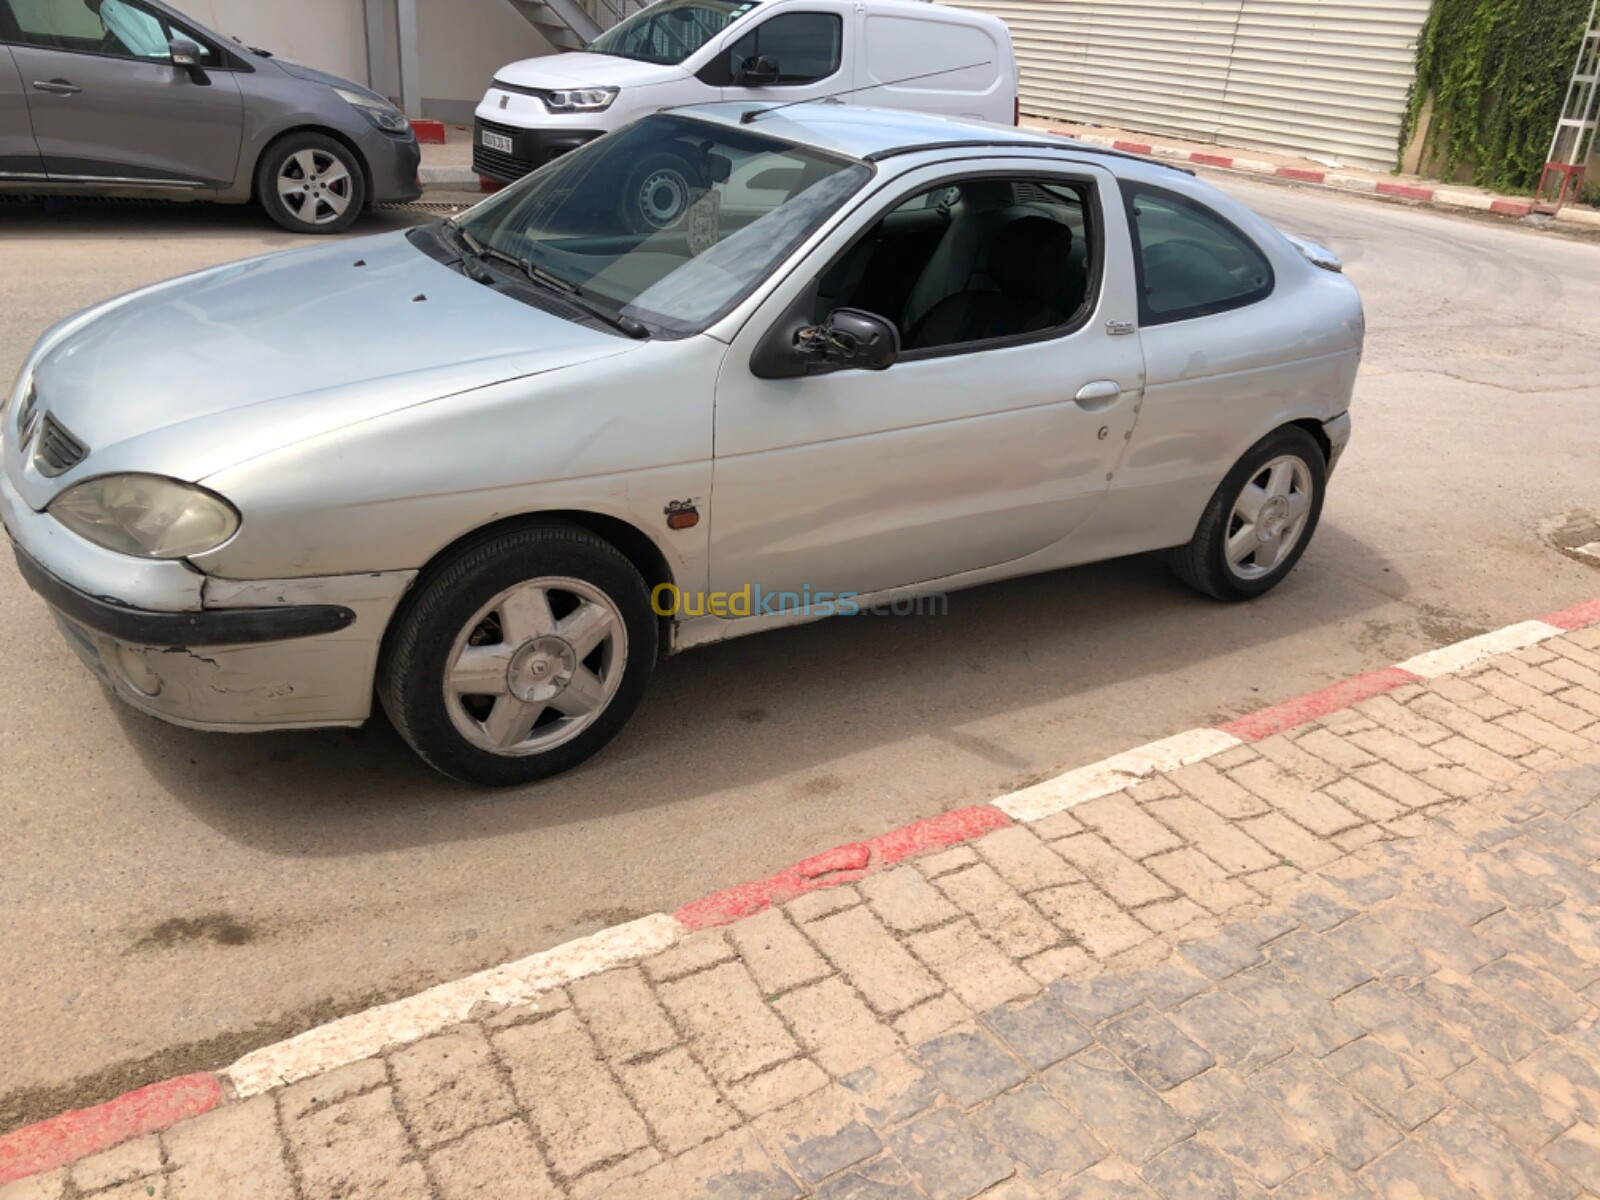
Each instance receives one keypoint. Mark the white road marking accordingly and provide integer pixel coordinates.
(363, 1034)
(1114, 773)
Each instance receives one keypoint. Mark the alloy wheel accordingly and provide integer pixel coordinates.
(1269, 516)
(315, 186)
(535, 666)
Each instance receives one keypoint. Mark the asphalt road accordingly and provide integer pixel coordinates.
(170, 899)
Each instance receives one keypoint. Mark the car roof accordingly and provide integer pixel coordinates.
(873, 133)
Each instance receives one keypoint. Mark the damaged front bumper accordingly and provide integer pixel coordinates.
(208, 653)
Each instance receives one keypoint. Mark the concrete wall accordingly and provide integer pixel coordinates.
(327, 34)
(461, 43)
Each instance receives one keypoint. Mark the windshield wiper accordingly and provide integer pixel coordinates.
(569, 291)
(475, 248)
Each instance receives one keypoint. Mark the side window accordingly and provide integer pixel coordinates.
(1191, 261)
(111, 27)
(808, 46)
(973, 262)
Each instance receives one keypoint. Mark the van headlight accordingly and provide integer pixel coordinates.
(147, 516)
(596, 99)
(380, 112)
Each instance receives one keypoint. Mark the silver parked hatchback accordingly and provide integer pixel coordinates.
(131, 98)
(483, 470)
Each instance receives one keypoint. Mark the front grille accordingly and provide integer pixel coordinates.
(58, 451)
(498, 164)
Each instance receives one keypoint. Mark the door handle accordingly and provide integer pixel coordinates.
(60, 87)
(1102, 393)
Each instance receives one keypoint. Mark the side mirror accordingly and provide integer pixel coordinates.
(186, 56)
(755, 72)
(852, 337)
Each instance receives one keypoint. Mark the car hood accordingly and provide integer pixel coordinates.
(582, 69)
(200, 373)
(312, 75)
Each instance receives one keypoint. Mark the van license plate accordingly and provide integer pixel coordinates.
(497, 141)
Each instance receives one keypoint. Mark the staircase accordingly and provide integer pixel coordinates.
(573, 24)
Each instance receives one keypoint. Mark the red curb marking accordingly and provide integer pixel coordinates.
(1303, 174)
(1404, 189)
(1131, 147)
(1575, 617)
(69, 1137)
(1511, 208)
(843, 864)
(1268, 721)
(1211, 160)
(428, 131)
(485, 184)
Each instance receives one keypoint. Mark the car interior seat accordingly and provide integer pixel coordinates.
(1036, 284)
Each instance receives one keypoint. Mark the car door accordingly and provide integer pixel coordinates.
(19, 155)
(107, 103)
(809, 46)
(952, 460)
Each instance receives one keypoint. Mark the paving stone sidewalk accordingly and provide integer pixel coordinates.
(1360, 959)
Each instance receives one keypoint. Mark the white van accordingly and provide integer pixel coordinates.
(679, 52)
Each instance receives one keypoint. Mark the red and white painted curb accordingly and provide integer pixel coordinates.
(74, 1135)
(1445, 197)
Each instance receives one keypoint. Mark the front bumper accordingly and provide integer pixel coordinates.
(203, 652)
(530, 148)
(1338, 431)
(393, 163)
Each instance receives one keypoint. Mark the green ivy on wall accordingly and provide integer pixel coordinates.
(1497, 71)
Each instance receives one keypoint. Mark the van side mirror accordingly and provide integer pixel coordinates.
(851, 338)
(755, 72)
(186, 56)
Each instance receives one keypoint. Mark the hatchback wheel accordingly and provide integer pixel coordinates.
(521, 656)
(309, 183)
(1259, 520)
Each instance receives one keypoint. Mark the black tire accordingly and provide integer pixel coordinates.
(1203, 562)
(417, 653)
(657, 191)
(315, 213)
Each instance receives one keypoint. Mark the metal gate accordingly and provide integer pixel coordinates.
(1314, 77)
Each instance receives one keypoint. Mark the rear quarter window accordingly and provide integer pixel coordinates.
(1190, 261)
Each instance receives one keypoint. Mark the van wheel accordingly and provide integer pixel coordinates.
(310, 183)
(521, 656)
(656, 192)
(1260, 519)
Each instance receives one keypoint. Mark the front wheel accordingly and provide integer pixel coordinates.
(1259, 520)
(310, 183)
(521, 656)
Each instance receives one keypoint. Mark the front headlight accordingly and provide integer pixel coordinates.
(380, 112)
(148, 516)
(596, 99)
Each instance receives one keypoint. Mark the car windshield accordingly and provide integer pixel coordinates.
(670, 31)
(670, 221)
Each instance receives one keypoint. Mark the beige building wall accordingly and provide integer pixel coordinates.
(460, 43)
(463, 43)
(330, 35)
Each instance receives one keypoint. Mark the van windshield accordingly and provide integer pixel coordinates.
(668, 222)
(668, 32)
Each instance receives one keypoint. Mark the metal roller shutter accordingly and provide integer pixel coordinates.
(1305, 76)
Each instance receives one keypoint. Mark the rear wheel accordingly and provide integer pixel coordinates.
(1259, 520)
(521, 656)
(311, 183)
